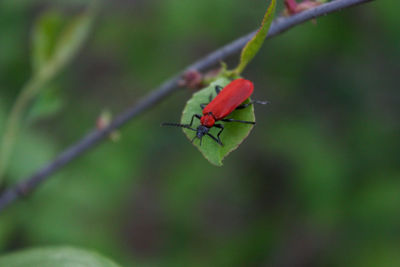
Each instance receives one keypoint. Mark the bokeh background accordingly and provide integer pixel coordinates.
(317, 182)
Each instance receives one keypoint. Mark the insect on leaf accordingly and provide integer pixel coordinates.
(252, 46)
(233, 134)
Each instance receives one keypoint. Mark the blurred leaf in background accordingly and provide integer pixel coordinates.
(53, 46)
(45, 35)
(51, 257)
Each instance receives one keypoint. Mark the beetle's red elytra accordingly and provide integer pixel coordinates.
(228, 99)
(234, 94)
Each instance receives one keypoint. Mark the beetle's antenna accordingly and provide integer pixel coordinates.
(261, 102)
(178, 125)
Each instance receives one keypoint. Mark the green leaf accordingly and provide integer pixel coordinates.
(45, 33)
(233, 134)
(55, 41)
(55, 257)
(47, 104)
(47, 62)
(252, 46)
(72, 38)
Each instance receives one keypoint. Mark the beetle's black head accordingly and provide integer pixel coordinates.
(201, 131)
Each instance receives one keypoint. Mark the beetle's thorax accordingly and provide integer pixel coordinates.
(207, 120)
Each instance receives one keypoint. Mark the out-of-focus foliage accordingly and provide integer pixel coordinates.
(57, 256)
(53, 46)
(253, 46)
(317, 180)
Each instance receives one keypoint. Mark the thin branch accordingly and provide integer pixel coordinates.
(168, 87)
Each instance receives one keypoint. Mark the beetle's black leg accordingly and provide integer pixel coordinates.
(219, 133)
(210, 98)
(218, 89)
(233, 120)
(215, 139)
(195, 115)
(252, 102)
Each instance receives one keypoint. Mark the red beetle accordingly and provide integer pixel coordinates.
(227, 100)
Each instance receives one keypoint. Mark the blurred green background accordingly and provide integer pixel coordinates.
(317, 182)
